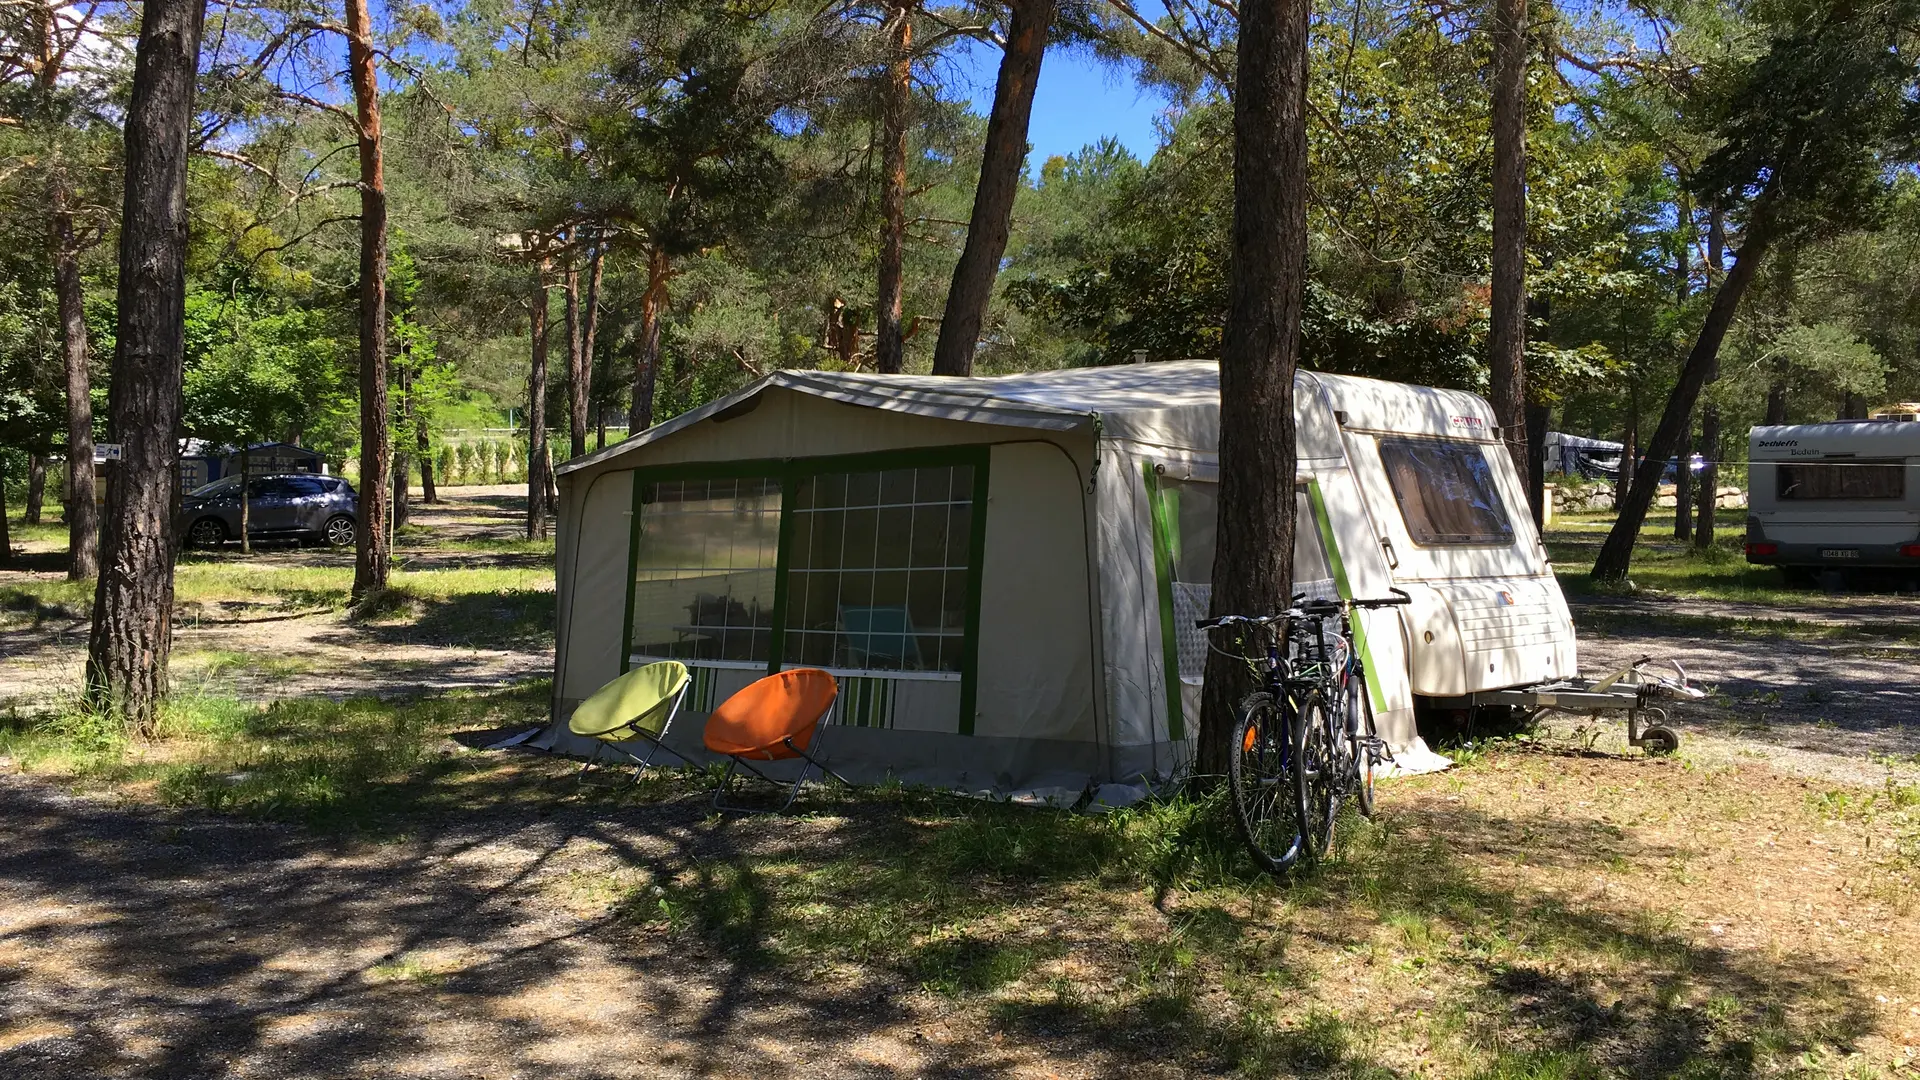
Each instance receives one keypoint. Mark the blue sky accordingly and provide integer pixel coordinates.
(1078, 102)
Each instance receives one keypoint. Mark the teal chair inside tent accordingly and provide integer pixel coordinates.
(637, 706)
(880, 637)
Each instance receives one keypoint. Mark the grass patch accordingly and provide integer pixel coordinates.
(485, 607)
(1663, 566)
(358, 763)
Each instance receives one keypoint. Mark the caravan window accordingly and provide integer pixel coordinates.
(1446, 491)
(1806, 480)
(704, 574)
(879, 568)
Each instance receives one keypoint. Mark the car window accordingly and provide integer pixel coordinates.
(217, 488)
(305, 485)
(272, 487)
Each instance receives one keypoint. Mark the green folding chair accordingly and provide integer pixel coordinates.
(638, 706)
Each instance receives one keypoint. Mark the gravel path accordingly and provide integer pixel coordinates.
(1846, 710)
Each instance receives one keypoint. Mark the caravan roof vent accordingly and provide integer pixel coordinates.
(1906, 410)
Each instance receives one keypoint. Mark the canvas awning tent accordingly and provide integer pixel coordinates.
(1003, 572)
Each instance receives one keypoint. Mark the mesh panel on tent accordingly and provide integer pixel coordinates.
(1190, 604)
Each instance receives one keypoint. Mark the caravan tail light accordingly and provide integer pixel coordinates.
(1762, 550)
(1911, 551)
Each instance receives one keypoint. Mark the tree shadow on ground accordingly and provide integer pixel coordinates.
(513, 920)
(502, 619)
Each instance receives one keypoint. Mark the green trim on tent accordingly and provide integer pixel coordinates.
(1325, 524)
(790, 472)
(1163, 529)
(633, 559)
(970, 647)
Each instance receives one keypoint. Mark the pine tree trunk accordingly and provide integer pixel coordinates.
(1623, 480)
(597, 267)
(83, 515)
(1709, 475)
(132, 631)
(372, 540)
(1253, 554)
(1616, 555)
(537, 411)
(1854, 408)
(427, 493)
(1776, 404)
(576, 383)
(246, 502)
(1507, 335)
(580, 364)
(1538, 417)
(36, 488)
(6, 537)
(646, 363)
(889, 353)
(402, 466)
(1001, 162)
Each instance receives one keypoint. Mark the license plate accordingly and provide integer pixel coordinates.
(1839, 553)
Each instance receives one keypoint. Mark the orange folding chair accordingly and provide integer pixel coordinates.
(777, 718)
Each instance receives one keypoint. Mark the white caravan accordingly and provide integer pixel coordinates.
(1841, 494)
(1005, 573)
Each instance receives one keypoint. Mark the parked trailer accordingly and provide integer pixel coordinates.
(1842, 494)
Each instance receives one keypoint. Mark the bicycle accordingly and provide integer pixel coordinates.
(1290, 764)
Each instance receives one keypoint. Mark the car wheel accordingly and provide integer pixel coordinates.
(207, 532)
(339, 531)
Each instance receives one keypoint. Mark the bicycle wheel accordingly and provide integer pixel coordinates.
(1364, 745)
(1316, 777)
(1259, 770)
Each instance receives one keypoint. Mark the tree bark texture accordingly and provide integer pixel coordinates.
(1253, 554)
(646, 362)
(132, 630)
(246, 503)
(889, 351)
(587, 413)
(1629, 448)
(1776, 404)
(83, 515)
(1709, 475)
(1507, 335)
(6, 538)
(576, 383)
(1536, 474)
(1616, 555)
(401, 465)
(1000, 168)
(427, 493)
(372, 541)
(36, 488)
(537, 410)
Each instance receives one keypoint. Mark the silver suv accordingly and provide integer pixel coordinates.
(301, 507)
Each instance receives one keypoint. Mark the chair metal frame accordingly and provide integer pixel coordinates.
(793, 792)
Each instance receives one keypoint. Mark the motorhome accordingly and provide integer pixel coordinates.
(1843, 494)
(1004, 573)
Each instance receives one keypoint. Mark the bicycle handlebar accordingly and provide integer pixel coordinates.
(1307, 609)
